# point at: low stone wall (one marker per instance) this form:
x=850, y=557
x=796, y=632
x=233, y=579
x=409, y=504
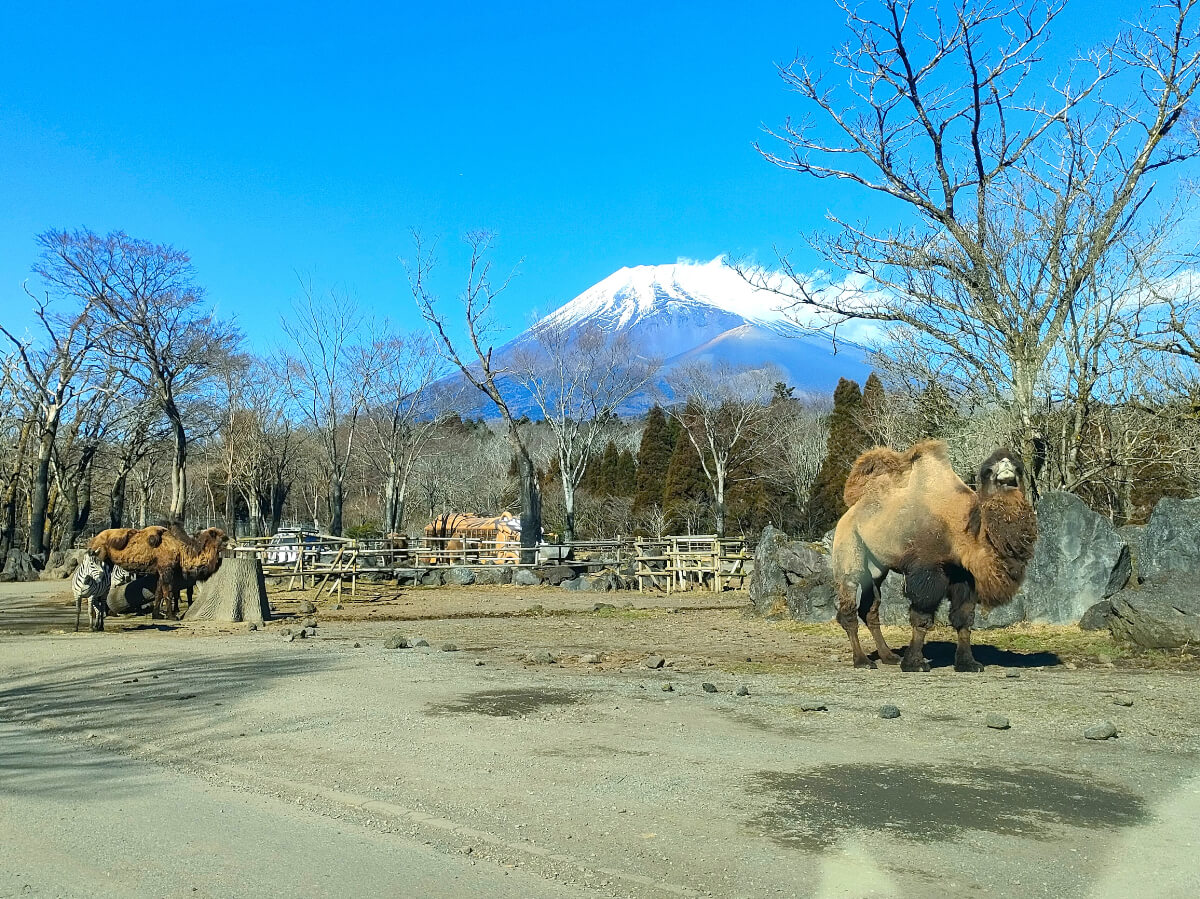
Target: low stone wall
x=1083, y=570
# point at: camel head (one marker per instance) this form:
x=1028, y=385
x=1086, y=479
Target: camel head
x=210, y=536
x=1002, y=470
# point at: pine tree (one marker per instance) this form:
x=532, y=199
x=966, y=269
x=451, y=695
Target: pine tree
x=847, y=440
x=625, y=474
x=686, y=487
x=653, y=458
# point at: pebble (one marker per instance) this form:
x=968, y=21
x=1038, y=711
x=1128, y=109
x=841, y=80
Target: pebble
x=421, y=643
x=1070, y=666
x=449, y=647
x=590, y=659
x=478, y=662
x=288, y=638
x=1013, y=674
x=1104, y=730
x=251, y=626
x=307, y=608
x=357, y=644
x=396, y=641
x=708, y=688
x=743, y=691
x=1126, y=701
x=668, y=688
x=542, y=658
x=655, y=662
x=813, y=705
x=998, y=722
x=309, y=622
x=310, y=632
x=889, y=711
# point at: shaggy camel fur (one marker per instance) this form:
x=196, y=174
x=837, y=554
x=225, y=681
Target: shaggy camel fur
x=168, y=551
x=909, y=512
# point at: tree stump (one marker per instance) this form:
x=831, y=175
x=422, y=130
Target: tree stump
x=237, y=592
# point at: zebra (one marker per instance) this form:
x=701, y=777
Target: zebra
x=93, y=580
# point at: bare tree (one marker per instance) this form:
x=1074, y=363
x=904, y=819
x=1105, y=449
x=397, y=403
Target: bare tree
x=720, y=408
x=405, y=409
x=53, y=377
x=329, y=370
x=1020, y=181
x=579, y=380
x=155, y=321
x=480, y=370
x=18, y=422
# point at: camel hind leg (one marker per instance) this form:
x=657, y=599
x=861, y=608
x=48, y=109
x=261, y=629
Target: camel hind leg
x=925, y=589
x=870, y=616
x=855, y=589
x=850, y=591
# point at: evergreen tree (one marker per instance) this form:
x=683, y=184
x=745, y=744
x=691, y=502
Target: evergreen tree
x=874, y=405
x=847, y=440
x=686, y=488
x=625, y=474
x=654, y=456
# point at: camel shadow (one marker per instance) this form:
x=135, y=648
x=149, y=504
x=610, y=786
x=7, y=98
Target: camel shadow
x=940, y=654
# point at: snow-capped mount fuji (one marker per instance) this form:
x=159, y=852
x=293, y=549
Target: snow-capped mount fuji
x=703, y=312
x=692, y=312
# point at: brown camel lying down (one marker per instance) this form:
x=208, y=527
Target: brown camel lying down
x=909, y=512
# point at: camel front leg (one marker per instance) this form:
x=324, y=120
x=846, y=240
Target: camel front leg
x=914, y=655
x=849, y=592
x=962, y=616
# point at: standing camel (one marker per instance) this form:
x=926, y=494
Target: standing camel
x=177, y=558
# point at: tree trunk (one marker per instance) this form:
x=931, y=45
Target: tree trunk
x=237, y=592
x=116, y=502
x=39, y=497
x=531, y=510
x=336, y=498
x=178, y=462
x=569, y=506
x=391, y=489
x=719, y=509
x=8, y=508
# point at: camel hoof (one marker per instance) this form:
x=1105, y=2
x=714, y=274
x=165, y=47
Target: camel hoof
x=864, y=663
x=907, y=664
x=890, y=659
x=967, y=665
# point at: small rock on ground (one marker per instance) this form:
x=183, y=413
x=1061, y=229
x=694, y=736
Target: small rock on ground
x=668, y=688
x=998, y=722
x=478, y=662
x=743, y=691
x=813, y=705
x=1103, y=730
x=396, y=641
x=309, y=622
x=357, y=645
x=889, y=711
x=542, y=658
x=421, y=643
x=307, y=608
x=449, y=647
x=708, y=688
x=590, y=659
x=655, y=662
x=1123, y=700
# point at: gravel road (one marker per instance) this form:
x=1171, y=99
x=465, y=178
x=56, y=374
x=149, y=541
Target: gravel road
x=184, y=762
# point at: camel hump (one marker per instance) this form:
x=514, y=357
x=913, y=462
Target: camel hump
x=154, y=536
x=883, y=463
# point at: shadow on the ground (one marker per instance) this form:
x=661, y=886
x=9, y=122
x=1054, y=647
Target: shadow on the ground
x=941, y=655
x=76, y=699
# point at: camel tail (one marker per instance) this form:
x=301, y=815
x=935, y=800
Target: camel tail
x=885, y=464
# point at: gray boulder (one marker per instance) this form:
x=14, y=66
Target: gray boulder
x=1097, y=618
x=1171, y=541
x=19, y=567
x=1079, y=560
x=408, y=577
x=431, y=578
x=556, y=574
x=523, y=577
x=63, y=564
x=1134, y=536
x=1162, y=614
x=495, y=575
x=576, y=583
x=791, y=577
x=459, y=576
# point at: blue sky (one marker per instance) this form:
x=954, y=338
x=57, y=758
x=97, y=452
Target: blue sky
x=305, y=138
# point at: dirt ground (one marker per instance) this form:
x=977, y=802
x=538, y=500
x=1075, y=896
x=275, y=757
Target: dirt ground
x=542, y=746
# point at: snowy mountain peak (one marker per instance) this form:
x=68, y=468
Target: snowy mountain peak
x=631, y=295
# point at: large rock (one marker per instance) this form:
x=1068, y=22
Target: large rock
x=63, y=564
x=495, y=575
x=524, y=577
x=556, y=574
x=1171, y=541
x=1162, y=614
x=791, y=576
x=19, y=567
x=1079, y=560
x=459, y=576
